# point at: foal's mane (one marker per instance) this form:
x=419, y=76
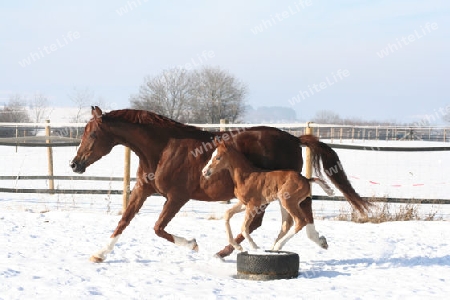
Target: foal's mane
x=144, y=117
x=232, y=151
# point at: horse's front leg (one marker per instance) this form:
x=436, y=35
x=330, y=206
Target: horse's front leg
x=170, y=209
x=250, y=213
x=256, y=223
x=138, y=195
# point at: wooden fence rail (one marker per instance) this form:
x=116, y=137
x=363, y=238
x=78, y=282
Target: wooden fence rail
x=50, y=141
x=65, y=191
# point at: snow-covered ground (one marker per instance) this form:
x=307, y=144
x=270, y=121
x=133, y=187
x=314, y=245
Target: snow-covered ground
x=47, y=239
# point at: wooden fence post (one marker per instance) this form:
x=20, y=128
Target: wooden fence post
x=332, y=133
x=51, y=182
x=126, y=179
x=308, y=156
x=223, y=122
x=17, y=136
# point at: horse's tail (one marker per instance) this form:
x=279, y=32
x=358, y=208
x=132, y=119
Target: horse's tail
x=334, y=170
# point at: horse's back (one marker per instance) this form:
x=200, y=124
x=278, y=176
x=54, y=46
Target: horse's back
x=270, y=148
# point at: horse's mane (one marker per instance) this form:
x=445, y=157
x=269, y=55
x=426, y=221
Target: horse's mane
x=144, y=117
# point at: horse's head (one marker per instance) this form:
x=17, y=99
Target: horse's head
x=95, y=143
x=218, y=160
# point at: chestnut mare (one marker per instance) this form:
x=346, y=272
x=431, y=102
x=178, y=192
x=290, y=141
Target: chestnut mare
x=256, y=188
x=172, y=155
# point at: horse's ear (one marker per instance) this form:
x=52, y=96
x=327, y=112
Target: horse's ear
x=96, y=112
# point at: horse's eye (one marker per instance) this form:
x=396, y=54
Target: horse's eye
x=217, y=157
x=93, y=135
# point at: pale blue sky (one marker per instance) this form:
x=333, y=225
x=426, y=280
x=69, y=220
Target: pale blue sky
x=297, y=52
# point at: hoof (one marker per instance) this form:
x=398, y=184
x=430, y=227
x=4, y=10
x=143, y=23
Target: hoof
x=194, y=245
x=218, y=257
x=96, y=259
x=323, y=242
x=276, y=247
x=226, y=251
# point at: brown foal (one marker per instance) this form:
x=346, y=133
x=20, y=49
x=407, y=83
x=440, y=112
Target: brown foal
x=255, y=188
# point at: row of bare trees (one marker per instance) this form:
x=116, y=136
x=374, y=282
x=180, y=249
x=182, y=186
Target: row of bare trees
x=331, y=117
x=206, y=95
x=15, y=110
x=199, y=96
x=37, y=108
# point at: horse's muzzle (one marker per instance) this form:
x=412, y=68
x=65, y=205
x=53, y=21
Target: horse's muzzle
x=77, y=167
x=206, y=173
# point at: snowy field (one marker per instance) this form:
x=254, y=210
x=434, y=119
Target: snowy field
x=47, y=239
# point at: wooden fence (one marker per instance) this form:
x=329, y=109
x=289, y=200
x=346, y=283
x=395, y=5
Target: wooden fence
x=50, y=141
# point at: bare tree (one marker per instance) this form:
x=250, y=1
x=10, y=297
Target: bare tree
x=82, y=98
x=327, y=117
x=446, y=115
x=39, y=107
x=105, y=105
x=15, y=110
x=218, y=95
x=204, y=96
x=168, y=94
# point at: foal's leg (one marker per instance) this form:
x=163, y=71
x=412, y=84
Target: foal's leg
x=249, y=215
x=170, y=209
x=138, y=195
x=311, y=231
x=293, y=208
x=286, y=224
x=256, y=223
x=237, y=208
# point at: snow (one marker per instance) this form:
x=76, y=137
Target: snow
x=47, y=239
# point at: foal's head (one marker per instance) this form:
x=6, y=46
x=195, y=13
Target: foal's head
x=95, y=143
x=218, y=161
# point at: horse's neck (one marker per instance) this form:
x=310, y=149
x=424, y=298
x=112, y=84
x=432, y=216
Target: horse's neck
x=145, y=145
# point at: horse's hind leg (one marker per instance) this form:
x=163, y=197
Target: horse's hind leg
x=170, y=209
x=286, y=224
x=237, y=208
x=138, y=195
x=281, y=242
x=311, y=232
x=294, y=210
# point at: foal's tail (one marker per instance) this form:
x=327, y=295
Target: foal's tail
x=334, y=170
x=327, y=189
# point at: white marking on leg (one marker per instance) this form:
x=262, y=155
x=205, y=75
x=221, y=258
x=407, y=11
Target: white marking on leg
x=281, y=242
x=313, y=235
x=250, y=240
x=108, y=248
x=286, y=224
x=181, y=241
